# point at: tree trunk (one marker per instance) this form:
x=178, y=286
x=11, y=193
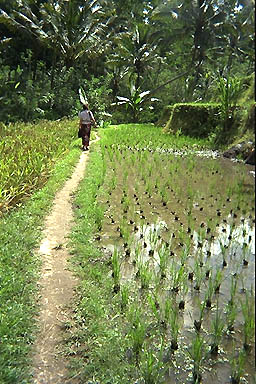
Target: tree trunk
x=53, y=69
x=166, y=83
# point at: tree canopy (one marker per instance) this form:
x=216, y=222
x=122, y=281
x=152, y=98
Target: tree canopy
x=50, y=48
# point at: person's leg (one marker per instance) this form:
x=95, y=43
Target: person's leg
x=87, y=135
x=84, y=140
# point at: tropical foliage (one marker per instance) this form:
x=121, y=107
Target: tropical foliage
x=176, y=49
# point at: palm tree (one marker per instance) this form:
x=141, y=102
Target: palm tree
x=195, y=22
x=136, y=52
x=237, y=36
x=70, y=28
x=203, y=34
x=189, y=29
x=74, y=27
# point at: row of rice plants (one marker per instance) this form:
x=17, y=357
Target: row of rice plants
x=175, y=236
x=27, y=155
x=151, y=138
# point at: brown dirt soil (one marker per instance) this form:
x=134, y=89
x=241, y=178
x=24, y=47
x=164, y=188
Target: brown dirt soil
x=57, y=285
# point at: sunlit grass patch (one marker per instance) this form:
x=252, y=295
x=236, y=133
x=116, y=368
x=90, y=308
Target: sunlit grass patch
x=148, y=136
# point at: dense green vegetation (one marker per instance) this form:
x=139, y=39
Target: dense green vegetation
x=28, y=154
x=173, y=50
x=197, y=119
x=151, y=137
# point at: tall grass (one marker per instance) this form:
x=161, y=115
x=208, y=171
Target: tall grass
x=237, y=362
x=152, y=367
x=248, y=310
x=116, y=265
x=27, y=155
x=138, y=331
x=217, y=331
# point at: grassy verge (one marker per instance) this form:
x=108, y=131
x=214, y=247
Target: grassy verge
x=20, y=233
x=94, y=328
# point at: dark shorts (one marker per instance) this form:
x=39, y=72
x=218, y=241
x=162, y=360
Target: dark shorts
x=85, y=133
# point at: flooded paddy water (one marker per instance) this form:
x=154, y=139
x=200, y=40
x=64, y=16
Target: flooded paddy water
x=181, y=227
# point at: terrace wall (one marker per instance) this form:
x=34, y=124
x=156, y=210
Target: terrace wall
x=194, y=119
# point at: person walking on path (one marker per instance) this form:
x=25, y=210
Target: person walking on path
x=86, y=121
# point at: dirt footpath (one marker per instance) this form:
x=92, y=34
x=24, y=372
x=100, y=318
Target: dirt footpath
x=56, y=283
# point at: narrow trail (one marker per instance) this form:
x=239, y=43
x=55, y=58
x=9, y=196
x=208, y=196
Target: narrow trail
x=57, y=284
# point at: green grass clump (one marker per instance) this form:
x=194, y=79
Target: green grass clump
x=194, y=119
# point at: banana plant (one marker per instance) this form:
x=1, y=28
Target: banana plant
x=135, y=101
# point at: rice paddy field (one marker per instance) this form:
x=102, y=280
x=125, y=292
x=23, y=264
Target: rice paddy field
x=164, y=246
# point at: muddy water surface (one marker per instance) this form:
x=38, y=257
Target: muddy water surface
x=200, y=213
